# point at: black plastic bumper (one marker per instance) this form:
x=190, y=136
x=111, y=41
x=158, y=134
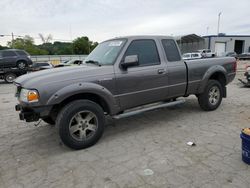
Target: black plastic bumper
x=32, y=114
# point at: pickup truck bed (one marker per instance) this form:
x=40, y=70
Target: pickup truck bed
x=199, y=71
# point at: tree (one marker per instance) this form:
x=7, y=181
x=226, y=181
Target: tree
x=93, y=45
x=81, y=45
x=62, y=48
x=45, y=39
x=27, y=43
x=47, y=45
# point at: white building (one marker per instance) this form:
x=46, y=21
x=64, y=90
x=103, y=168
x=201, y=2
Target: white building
x=227, y=43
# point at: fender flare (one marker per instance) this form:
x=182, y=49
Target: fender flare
x=212, y=70
x=83, y=88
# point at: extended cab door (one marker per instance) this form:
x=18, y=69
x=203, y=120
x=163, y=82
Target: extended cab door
x=177, y=71
x=146, y=82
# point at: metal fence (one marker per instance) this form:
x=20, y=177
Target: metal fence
x=56, y=58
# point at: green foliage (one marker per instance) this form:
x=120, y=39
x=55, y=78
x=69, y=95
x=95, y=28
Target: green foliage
x=27, y=43
x=62, y=48
x=81, y=45
x=58, y=48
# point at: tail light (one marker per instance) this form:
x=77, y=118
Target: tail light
x=235, y=66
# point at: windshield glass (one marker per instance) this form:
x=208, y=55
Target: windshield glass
x=69, y=62
x=186, y=55
x=106, y=52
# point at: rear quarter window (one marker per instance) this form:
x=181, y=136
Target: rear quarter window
x=171, y=50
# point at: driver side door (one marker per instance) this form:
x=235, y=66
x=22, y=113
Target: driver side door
x=146, y=82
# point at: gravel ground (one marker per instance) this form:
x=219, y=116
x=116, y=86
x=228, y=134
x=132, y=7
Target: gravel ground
x=147, y=150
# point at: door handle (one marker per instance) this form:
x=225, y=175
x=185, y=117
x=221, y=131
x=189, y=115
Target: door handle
x=161, y=71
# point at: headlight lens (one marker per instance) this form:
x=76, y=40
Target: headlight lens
x=28, y=95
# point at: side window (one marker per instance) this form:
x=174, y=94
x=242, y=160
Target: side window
x=146, y=51
x=8, y=54
x=171, y=50
x=21, y=53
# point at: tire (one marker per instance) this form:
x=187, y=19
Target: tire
x=22, y=64
x=81, y=124
x=10, y=77
x=211, y=98
x=49, y=121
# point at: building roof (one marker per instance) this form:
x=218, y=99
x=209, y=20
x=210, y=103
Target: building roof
x=189, y=38
x=209, y=36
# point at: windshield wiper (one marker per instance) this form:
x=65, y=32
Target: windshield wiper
x=93, y=62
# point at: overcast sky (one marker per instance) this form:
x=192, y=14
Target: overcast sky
x=103, y=19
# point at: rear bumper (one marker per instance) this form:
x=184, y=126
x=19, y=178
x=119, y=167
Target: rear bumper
x=32, y=114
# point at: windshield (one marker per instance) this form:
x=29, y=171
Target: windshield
x=69, y=62
x=106, y=52
x=186, y=55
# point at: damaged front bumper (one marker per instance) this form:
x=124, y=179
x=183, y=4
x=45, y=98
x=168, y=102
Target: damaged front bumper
x=32, y=114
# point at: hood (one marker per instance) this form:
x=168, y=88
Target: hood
x=62, y=74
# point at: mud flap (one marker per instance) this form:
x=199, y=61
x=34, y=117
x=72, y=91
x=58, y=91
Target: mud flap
x=224, y=94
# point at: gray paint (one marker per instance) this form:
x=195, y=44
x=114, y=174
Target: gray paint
x=124, y=89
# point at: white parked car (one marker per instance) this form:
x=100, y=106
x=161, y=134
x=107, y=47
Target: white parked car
x=206, y=53
x=188, y=56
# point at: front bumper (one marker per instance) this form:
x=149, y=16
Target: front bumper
x=32, y=114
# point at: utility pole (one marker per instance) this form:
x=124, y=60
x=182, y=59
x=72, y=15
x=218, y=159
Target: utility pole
x=207, y=30
x=12, y=41
x=218, y=26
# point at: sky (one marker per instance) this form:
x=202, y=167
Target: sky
x=103, y=19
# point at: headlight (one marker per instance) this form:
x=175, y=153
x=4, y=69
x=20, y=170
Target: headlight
x=28, y=95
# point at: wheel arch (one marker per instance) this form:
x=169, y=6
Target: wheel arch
x=88, y=96
x=89, y=91
x=214, y=73
x=17, y=61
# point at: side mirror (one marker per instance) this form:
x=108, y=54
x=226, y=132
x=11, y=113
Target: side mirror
x=130, y=61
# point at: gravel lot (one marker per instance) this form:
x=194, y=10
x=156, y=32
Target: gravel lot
x=147, y=150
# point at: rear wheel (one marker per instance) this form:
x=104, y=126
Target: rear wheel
x=22, y=64
x=212, y=96
x=9, y=77
x=81, y=124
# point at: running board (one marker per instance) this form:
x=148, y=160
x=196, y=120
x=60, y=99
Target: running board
x=139, y=111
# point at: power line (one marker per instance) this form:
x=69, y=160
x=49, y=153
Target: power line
x=21, y=36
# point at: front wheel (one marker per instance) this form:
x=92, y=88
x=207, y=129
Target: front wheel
x=81, y=124
x=211, y=98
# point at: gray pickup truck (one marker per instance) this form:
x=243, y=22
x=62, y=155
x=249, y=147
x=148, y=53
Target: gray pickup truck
x=118, y=76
